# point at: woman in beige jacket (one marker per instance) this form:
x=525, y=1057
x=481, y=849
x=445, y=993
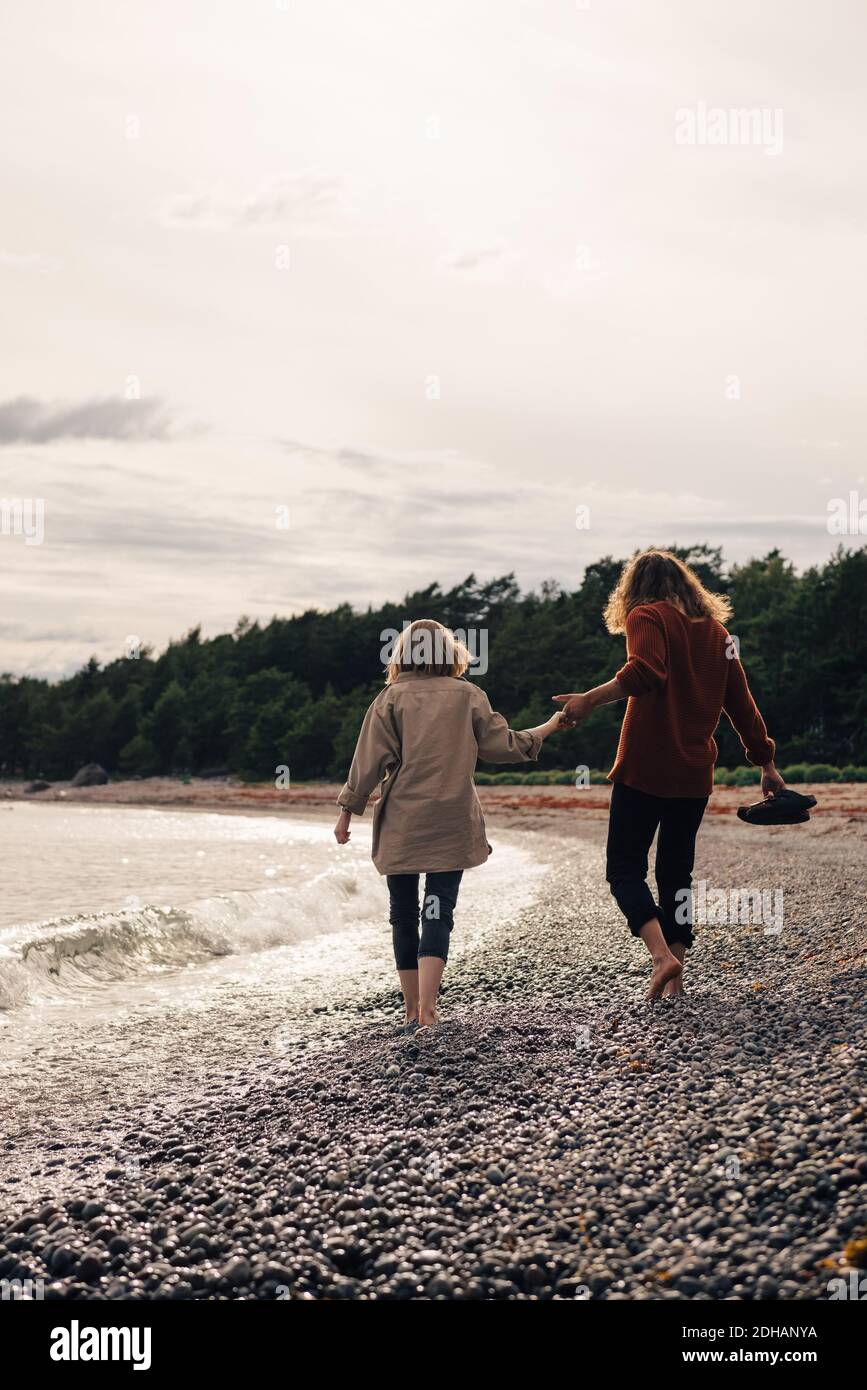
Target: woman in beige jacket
x=419, y=741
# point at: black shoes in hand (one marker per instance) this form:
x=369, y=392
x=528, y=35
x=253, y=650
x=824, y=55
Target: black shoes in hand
x=786, y=808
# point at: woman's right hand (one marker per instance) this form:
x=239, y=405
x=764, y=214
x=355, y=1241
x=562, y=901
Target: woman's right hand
x=341, y=829
x=772, y=782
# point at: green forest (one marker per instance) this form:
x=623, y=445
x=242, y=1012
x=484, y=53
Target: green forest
x=292, y=692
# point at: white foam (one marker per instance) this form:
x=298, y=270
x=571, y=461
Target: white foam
x=74, y=954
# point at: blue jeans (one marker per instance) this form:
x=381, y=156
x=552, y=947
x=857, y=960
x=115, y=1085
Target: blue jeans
x=436, y=911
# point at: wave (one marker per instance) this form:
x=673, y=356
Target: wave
x=75, y=955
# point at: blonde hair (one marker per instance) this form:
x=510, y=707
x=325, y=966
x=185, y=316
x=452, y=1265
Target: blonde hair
x=425, y=646
x=652, y=575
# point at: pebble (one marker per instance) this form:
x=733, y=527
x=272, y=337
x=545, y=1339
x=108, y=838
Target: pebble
x=237, y=1271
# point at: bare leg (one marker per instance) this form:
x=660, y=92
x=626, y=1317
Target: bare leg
x=665, y=965
x=409, y=989
x=430, y=972
x=674, y=989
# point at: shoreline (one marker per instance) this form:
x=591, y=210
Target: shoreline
x=840, y=802
x=555, y=1138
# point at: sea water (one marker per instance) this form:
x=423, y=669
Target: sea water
x=149, y=958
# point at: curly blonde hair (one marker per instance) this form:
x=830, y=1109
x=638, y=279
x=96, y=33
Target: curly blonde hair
x=426, y=646
x=652, y=575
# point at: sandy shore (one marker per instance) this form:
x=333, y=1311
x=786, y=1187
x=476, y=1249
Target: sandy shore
x=555, y=1138
x=840, y=801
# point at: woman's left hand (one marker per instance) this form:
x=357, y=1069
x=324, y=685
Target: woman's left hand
x=341, y=830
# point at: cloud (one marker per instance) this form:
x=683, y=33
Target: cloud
x=152, y=553
x=302, y=203
x=28, y=260
x=367, y=462
x=484, y=263
x=21, y=632
x=361, y=459
x=31, y=421
x=471, y=260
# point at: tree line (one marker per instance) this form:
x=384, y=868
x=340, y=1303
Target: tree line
x=292, y=692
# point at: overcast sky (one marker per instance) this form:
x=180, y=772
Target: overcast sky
x=429, y=275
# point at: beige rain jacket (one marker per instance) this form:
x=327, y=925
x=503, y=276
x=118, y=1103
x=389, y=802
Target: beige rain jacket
x=420, y=739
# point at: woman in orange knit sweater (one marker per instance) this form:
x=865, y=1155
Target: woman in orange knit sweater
x=682, y=671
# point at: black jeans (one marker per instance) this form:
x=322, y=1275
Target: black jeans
x=437, y=911
x=632, y=824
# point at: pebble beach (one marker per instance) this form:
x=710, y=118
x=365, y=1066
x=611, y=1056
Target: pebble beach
x=555, y=1137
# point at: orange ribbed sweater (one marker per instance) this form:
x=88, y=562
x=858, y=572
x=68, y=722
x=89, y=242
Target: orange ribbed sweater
x=680, y=675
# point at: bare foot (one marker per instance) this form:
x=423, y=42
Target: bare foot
x=674, y=989
x=665, y=968
x=428, y=1018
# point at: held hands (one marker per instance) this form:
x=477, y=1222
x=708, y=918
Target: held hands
x=575, y=708
x=341, y=829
